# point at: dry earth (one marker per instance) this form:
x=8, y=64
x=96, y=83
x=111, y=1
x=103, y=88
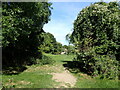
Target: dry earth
x=65, y=78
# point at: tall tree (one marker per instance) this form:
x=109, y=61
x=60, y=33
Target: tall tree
x=22, y=22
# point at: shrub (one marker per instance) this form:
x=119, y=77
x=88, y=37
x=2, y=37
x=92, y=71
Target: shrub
x=45, y=60
x=96, y=35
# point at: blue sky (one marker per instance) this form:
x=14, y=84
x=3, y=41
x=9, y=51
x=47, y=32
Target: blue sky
x=62, y=18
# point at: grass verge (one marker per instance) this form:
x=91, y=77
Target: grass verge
x=85, y=81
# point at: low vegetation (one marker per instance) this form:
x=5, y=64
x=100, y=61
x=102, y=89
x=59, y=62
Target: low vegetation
x=39, y=76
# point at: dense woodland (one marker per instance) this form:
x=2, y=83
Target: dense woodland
x=95, y=38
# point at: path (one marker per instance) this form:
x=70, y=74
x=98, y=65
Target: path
x=61, y=74
x=43, y=76
x=54, y=76
x=65, y=78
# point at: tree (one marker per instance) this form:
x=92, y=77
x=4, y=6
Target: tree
x=49, y=44
x=71, y=49
x=97, y=34
x=22, y=22
x=58, y=48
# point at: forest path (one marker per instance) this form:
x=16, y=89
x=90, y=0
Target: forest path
x=61, y=74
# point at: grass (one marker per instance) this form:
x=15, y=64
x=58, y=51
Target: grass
x=84, y=81
x=28, y=80
x=0, y=81
x=35, y=76
x=38, y=76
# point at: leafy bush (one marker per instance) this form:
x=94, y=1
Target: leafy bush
x=104, y=66
x=45, y=60
x=96, y=35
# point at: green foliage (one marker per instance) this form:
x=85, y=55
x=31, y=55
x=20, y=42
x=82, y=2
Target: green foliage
x=49, y=44
x=45, y=60
x=96, y=35
x=21, y=25
x=58, y=48
x=0, y=26
x=70, y=49
x=105, y=66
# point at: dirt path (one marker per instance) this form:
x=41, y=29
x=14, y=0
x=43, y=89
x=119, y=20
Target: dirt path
x=60, y=74
x=65, y=78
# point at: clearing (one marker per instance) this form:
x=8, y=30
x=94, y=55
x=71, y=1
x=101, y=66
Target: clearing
x=55, y=76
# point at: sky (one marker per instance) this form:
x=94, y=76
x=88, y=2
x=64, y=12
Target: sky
x=62, y=18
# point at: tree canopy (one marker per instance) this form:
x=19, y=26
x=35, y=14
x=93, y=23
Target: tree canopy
x=49, y=44
x=97, y=36
x=22, y=24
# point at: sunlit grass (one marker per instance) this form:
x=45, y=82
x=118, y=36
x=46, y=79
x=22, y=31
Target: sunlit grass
x=36, y=79
x=38, y=76
x=0, y=81
x=85, y=82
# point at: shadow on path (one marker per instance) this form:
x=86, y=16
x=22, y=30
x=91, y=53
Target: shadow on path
x=74, y=66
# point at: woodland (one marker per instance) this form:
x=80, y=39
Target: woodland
x=93, y=50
